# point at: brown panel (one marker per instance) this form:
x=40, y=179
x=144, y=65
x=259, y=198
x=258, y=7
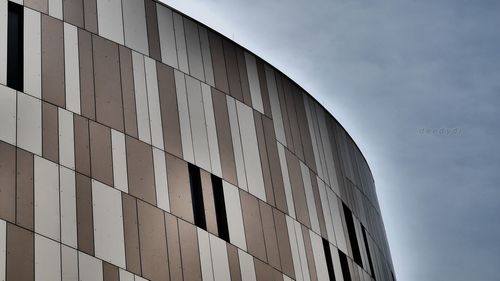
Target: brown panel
x=174, y=250
x=242, y=67
x=282, y=86
x=141, y=179
x=253, y=225
x=292, y=115
x=179, y=189
x=50, y=132
x=131, y=233
x=298, y=192
x=153, y=242
x=189, y=251
x=100, y=153
x=233, y=75
x=53, y=61
x=90, y=9
x=283, y=243
x=153, y=35
x=129, y=109
x=270, y=238
x=108, y=90
x=87, y=98
x=263, y=272
x=82, y=145
x=263, y=87
x=73, y=12
x=169, y=111
x=24, y=201
x=319, y=208
x=309, y=254
x=208, y=202
x=304, y=130
x=274, y=165
x=268, y=185
x=85, y=221
x=20, y=253
x=234, y=262
x=39, y=5
x=224, y=137
x=7, y=182
x=110, y=272
x=218, y=62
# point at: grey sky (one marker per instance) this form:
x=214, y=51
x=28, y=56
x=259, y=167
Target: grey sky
x=387, y=70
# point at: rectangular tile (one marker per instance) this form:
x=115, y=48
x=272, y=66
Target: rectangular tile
x=275, y=105
x=134, y=25
x=110, y=19
x=50, y=132
x=184, y=121
x=263, y=87
x=73, y=12
x=234, y=262
x=153, y=33
x=82, y=145
x=8, y=182
x=119, y=151
x=270, y=236
x=179, y=188
x=180, y=42
x=84, y=214
x=205, y=255
x=242, y=67
x=294, y=246
x=29, y=123
x=39, y=5
x=326, y=211
x=69, y=264
x=286, y=180
x=247, y=266
x=141, y=97
x=161, y=181
x=193, y=47
x=131, y=234
x=8, y=99
x=309, y=255
x=67, y=196
x=218, y=62
x=153, y=103
x=319, y=257
x=24, y=182
x=191, y=266
x=110, y=272
x=46, y=193
x=53, y=61
x=234, y=215
x=71, y=68
x=32, y=53
x=253, y=226
x=141, y=180
x=87, y=97
x=47, y=259
x=237, y=144
x=90, y=268
x=173, y=244
x=220, y=260
x=319, y=208
x=311, y=206
x=207, y=57
x=253, y=79
x=337, y=220
x=167, y=35
x=101, y=156
x=56, y=8
x=66, y=139
x=128, y=94
x=90, y=15
x=266, y=174
x=213, y=143
x=208, y=201
x=233, y=75
x=298, y=192
x=20, y=254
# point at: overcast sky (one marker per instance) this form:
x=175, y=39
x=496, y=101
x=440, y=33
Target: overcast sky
x=398, y=74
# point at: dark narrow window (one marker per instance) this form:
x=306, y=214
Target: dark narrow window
x=352, y=235
x=220, y=208
x=197, y=196
x=345, y=266
x=15, y=47
x=329, y=262
x=368, y=251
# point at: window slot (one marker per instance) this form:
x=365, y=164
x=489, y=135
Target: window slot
x=344, y=264
x=15, y=47
x=220, y=208
x=197, y=196
x=329, y=262
x=368, y=251
x=351, y=230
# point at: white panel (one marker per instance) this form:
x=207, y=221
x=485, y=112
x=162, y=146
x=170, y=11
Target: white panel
x=198, y=126
x=126, y=276
x=219, y=259
x=3, y=246
x=251, y=153
x=286, y=278
x=205, y=256
x=3, y=41
x=161, y=184
x=71, y=68
x=68, y=207
x=109, y=17
x=238, y=150
x=47, y=259
x=253, y=81
x=234, y=215
x=247, y=266
x=184, y=122
x=194, y=49
x=108, y=224
x=139, y=278
x=207, y=57
x=337, y=220
x=134, y=24
x=332, y=176
x=275, y=105
x=180, y=43
x=312, y=134
x=311, y=206
x=286, y=180
x=319, y=257
x=213, y=143
x=89, y=268
x=326, y=210
x=294, y=248
x=29, y=123
x=141, y=97
x=69, y=261
x=167, y=35
x=66, y=139
x=46, y=198
x=7, y=115
x=119, y=160
x=336, y=263
x=32, y=53
x=302, y=251
x=56, y=9
x=154, y=103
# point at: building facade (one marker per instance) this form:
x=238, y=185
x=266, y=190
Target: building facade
x=138, y=144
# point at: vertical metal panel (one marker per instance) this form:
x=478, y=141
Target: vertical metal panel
x=185, y=125
x=20, y=254
x=82, y=145
x=319, y=257
x=32, y=53
x=207, y=189
x=311, y=206
x=109, y=17
x=108, y=224
x=68, y=207
x=191, y=266
x=131, y=234
x=253, y=80
x=173, y=244
x=238, y=150
x=298, y=191
x=179, y=189
x=294, y=249
x=242, y=68
x=309, y=255
x=234, y=262
x=140, y=170
x=3, y=248
x=110, y=272
x=53, y=61
x=141, y=97
x=8, y=99
x=153, y=103
x=101, y=156
x=125, y=275
x=73, y=12
x=264, y=160
x=90, y=15
x=3, y=41
x=127, y=75
x=87, y=97
x=7, y=182
x=337, y=221
x=247, y=266
x=270, y=236
x=234, y=215
x=24, y=185
x=193, y=49
x=219, y=65
x=326, y=211
x=213, y=143
x=219, y=259
x=89, y=268
x=275, y=105
x=312, y=133
x=301, y=251
x=152, y=26
x=161, y=181
x=56, y=9
x=69, y=264
x=39, y=5
x=205, y=255
x=233, y=75
x=50, y=132
x=134, y=25
x=286, y=180
x=71, y=68
x=120, y=176
x=336, y=264
x=207, y=57
x=253, y=226
x=47, y=259
x=84, y=214
x=167, y=35
x=29, y=123
x=47, y=221
x=66, y=139
x=180, y=42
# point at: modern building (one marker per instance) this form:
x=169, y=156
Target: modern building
x=138, y=144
